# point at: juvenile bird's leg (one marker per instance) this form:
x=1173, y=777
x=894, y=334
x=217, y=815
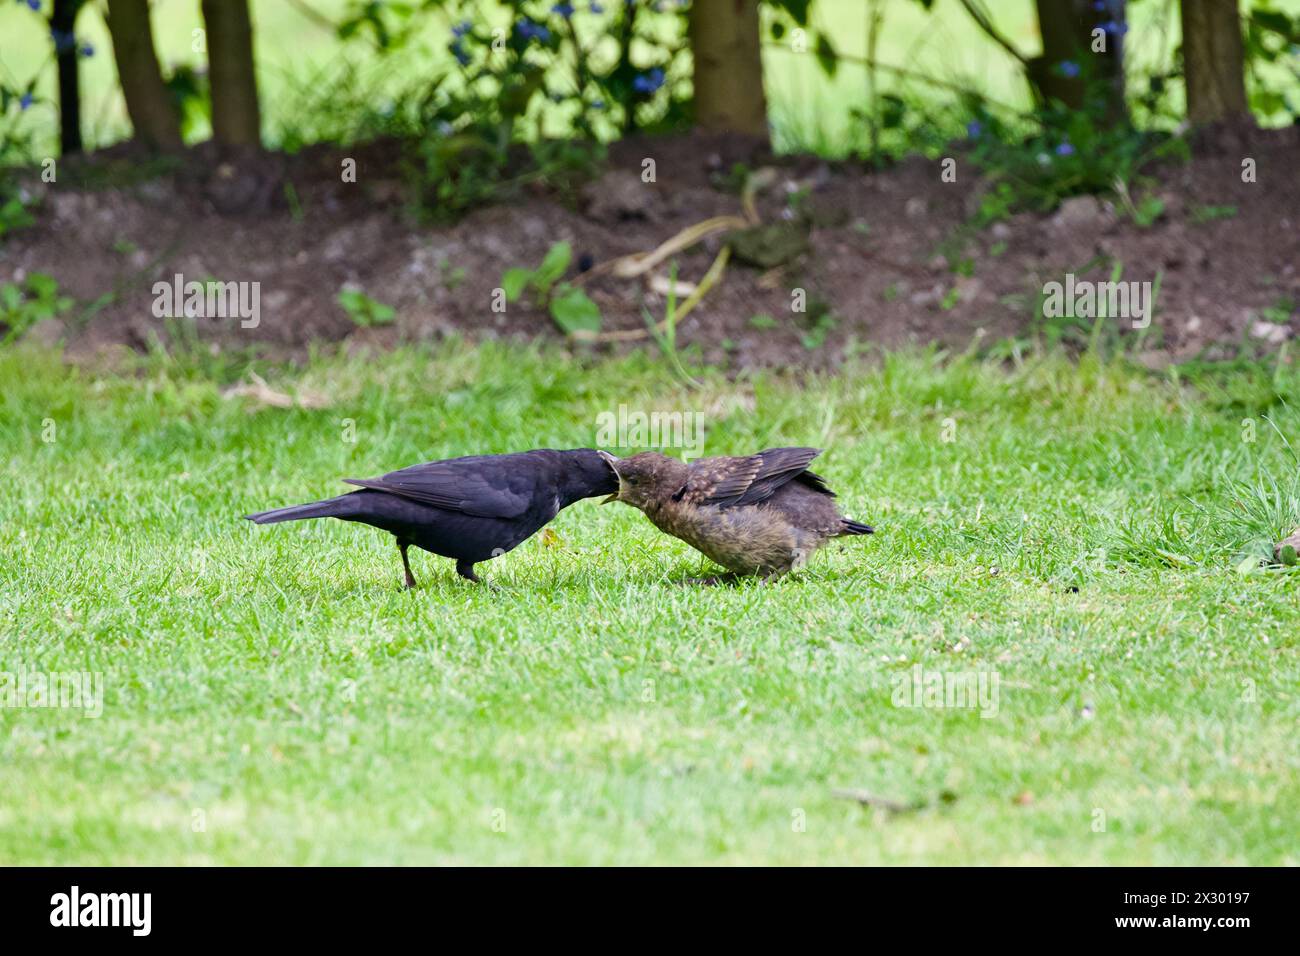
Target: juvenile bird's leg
x=466, y=570
x=729, y=577
x=406, y=564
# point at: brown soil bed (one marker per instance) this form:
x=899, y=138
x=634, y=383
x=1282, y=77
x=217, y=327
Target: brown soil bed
x=881, y=253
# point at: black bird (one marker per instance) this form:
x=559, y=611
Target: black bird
x=470, y=509
x=763, y=514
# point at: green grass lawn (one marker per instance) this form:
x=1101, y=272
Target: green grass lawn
x=271, y=696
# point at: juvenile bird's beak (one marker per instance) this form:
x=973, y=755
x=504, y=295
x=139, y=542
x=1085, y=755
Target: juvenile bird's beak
x=613, y=464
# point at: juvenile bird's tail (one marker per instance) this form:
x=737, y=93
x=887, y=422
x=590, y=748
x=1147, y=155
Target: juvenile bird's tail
x=855, y=527
x=329, y=508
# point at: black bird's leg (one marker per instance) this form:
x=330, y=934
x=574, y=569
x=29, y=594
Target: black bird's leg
x=466, y=570
x=406, y=564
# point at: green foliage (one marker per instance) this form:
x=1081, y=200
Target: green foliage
x=1064, y=153
x=570, y=307
x=1203, y=214
x=787, y=13
x=819, y=321
x=1279, y=312
x=1272, y=37
x=470, y=153
x=551, y=269
x=14, y=213
x=15, y=146
x=574, y=311
x=480, y=128
x=365, y=311
x=191, y=98
x=664, y=334
x=22, y=306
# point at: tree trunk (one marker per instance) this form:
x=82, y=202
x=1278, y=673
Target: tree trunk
x=724, y=37
x=1213, y=61
x=236, y=120
x=147, y=102
x=63, y=23
x=1067, y=28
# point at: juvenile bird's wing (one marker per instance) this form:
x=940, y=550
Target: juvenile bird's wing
x=489, y=486
x=730, y=482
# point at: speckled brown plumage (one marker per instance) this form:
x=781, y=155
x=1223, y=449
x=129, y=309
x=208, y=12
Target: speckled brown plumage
x=762, y=514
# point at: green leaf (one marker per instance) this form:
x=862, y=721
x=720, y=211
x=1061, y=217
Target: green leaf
x=892, y=110
x=798, y=10
x=1148, y=211
x=573, y=310
x=514, y=281
x=363, y=310
x=1278, y=22
x=11, y=297
x=42, y=286
x=1267, y=102
x=826, y=55
x=1248, y=565
x=552, y=267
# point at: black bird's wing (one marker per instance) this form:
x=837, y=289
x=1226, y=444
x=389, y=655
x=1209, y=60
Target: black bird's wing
x=489, y=486
x=730, y=482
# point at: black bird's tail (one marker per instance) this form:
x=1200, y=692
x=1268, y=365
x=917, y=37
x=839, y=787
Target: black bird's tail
x=329, y=508
x=855, y=527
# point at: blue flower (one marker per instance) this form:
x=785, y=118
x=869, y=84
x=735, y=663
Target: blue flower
x=460, y=29
x=597, y=104
x=63, y=40
x=87, y=50
x=648, y=82
x=25, y=101
x=532, y=31
x=1069, y=69
x=34, y=5
x=458, y=51
x=1114, y=26
x=563, y=9
x=1065, y=149
x=974, y=129
x=596, y=8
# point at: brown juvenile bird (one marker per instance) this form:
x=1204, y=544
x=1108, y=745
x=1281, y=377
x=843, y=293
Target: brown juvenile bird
x=764, y=514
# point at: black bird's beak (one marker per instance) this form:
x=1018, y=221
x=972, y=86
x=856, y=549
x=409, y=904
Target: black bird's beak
x=613, y=466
